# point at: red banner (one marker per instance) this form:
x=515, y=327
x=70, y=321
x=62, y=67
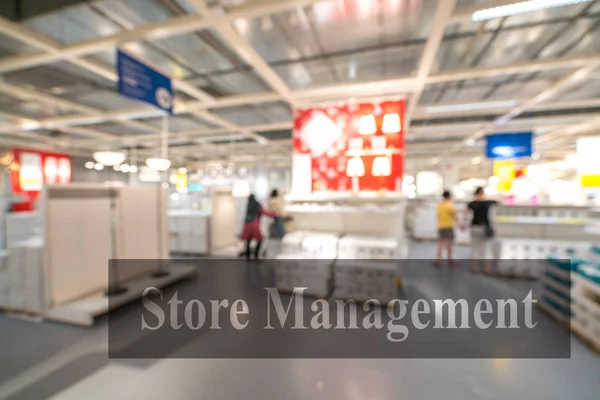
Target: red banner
x=36, y=169
x=353, y=147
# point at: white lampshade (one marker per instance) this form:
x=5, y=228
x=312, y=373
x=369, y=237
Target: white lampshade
x=158, y=164
x=391, y=123
x=355, y=167
x=241, y=189
x=367, y=125
x=381, y=166
x=64, y=170
x=109, y=158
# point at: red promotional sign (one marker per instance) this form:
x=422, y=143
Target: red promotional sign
x=36, y=169
x=353, y=147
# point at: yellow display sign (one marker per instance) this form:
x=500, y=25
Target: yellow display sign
x=590, y=181
x=181, y=184
x=506, y=172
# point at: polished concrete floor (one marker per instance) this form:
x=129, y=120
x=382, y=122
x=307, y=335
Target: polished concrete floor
x=47, y=360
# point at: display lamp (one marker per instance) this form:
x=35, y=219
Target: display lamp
x=241, y=189
x=381, y=166
x=367, y=125
x=391, y=123
x=355, y=169
x=51, y=170
x=64, y=170
x=109, y=158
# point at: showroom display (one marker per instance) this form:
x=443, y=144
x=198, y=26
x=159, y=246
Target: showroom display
x=37, y=169
x=62, y=272
x=571, y=293
x=188, y=231
x=349, y=147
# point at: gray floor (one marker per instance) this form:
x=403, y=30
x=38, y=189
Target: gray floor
x=46, y=360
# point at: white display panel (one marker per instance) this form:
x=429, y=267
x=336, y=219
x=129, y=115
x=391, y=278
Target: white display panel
x=78, y=236
x=30, y=174
x=301, y=174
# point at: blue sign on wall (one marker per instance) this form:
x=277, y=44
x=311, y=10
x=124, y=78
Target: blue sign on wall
x=140, y=82
x=509, y=145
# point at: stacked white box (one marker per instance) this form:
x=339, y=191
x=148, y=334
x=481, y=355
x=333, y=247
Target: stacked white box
x=25, y=275
x=292, y=271
x=534, y=253
x=370, y=248
x=539, y=249
x=363, y=280
x=320, y=246
x=292, y=242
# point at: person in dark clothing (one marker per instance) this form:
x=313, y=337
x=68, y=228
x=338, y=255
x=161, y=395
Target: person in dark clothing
x=481, y=228
x=251, y=229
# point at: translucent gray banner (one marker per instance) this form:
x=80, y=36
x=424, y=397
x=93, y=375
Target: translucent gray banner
x=332, y=309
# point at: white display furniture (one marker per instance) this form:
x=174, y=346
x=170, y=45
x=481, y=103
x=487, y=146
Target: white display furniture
x=22, y=226
x=541, y=222
x=188, y=231
x=83, y=227
x=343, y=226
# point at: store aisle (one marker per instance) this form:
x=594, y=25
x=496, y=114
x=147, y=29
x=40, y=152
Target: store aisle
x=64, y=362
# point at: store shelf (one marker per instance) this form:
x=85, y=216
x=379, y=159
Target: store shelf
x=342, y=210
x=364, y=197
x=541, y=220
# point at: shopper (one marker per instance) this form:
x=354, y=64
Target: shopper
x=251, y=229
x=277, y=230
x=482, y=231
x=446, y=218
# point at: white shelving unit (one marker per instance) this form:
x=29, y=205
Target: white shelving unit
x=541, y=222
x=63, y=273
x=188, y=231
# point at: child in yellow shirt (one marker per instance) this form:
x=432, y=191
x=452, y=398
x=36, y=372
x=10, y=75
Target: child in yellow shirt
x=446, y=218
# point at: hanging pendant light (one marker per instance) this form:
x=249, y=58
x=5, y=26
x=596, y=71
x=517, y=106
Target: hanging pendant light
x=109, y=158
x=158, y=164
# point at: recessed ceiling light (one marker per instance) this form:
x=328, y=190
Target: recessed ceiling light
x=521, y=7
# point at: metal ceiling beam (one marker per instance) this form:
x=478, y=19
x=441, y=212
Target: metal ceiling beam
x=558, y=87
x=328, y=93
x=440, y=21
x=20, y=33
x=161, y=30
x=245, y=51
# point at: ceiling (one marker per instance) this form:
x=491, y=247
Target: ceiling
x=241, y=66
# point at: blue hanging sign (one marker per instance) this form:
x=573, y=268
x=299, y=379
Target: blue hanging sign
x=509, y=145
x=140, y=82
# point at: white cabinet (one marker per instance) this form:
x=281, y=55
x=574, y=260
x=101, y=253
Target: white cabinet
x=188, y=231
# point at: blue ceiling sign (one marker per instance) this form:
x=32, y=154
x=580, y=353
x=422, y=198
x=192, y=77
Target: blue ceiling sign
x=509, y=145
x=140, y=82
